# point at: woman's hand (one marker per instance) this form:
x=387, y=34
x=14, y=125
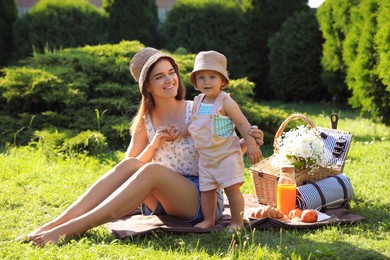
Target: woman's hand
x=257, y=134
x=165, y=133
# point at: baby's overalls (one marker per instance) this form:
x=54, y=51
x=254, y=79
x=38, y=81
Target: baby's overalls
x=220, y=158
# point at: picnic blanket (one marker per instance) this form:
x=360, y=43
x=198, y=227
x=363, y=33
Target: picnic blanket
x=136, y=224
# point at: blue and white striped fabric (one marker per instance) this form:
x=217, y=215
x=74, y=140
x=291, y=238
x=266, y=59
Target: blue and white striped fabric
x=332, y=136
x=335, y=195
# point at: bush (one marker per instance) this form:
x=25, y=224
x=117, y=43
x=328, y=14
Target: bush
x=64, y=89
x=132, y=20
x=87, y=141
x=8, y=15
x=295, y=53
x=28, y=89
x=66, y=23
x=84, y=89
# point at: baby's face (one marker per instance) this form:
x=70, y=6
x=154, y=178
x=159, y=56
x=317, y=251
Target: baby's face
x=209, y=82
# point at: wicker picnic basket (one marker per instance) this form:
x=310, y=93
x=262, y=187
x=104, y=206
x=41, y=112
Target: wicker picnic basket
x=265, y=175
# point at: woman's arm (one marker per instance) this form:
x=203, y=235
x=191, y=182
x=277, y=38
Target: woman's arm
x=140, y=147
x=139, y=142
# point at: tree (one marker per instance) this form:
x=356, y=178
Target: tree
x=356, y=48
x=334, y=18
x=132, y=20
x=199, y=25
x=264, y=18
x=369, y=92
x=295, y=59
x=8, y=15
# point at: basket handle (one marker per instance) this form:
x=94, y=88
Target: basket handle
x=288, y=119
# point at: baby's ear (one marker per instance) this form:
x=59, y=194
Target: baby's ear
x=225, y=84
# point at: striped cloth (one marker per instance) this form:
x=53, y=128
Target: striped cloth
x=223, y=125
x=333, y=136
x=331, y=192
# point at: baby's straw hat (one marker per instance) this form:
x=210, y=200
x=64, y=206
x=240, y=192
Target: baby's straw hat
x=210, y=60
x=143, y=60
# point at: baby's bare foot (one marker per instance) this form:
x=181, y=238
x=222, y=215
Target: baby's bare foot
x=235, y=227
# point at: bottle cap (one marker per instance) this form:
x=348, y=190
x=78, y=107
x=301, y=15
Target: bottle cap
x=287, y=169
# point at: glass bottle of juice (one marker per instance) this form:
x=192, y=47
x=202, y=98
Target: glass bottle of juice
x=287, y=190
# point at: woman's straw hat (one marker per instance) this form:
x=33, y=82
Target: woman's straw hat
x=210, y=60
x=143, y=60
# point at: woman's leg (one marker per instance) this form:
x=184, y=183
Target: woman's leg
x=178, y=196
x=236, y=205
x=98, y=192
x=209, y=202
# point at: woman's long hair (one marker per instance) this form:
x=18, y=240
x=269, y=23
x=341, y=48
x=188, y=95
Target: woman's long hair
x=147, y=101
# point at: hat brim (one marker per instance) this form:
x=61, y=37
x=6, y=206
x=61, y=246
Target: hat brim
x=193, y=75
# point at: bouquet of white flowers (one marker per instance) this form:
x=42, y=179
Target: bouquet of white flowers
x=301, y=147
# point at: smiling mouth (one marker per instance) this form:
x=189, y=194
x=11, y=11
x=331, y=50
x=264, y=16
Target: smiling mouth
x=169, y=87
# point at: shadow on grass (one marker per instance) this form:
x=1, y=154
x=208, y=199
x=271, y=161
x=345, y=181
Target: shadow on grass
x=376, y=213
x=292, y=243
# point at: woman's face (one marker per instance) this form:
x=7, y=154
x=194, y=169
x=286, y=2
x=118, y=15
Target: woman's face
x=163, y=80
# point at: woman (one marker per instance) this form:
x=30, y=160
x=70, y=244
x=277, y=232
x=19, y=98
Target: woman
x=168, y=185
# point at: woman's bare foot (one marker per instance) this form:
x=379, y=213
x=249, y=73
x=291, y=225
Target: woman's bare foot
x=45, y=237
x=43, y=228
x=205, y=224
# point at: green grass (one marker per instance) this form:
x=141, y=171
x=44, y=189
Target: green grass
x=36, y=185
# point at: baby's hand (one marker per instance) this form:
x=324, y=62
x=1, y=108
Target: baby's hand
x=254, y=154
x=174, y=132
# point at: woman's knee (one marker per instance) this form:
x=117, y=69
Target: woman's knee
x=131, y=163
x=151, y=170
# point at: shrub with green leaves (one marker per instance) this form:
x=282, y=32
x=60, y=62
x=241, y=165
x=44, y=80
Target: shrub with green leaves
x=57, y=24
x=32, y=90
x=132, y=20
x=295, y=52
x=86, y=89
x=64, y=89
x=86, y=141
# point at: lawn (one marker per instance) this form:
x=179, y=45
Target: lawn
x=37, y=184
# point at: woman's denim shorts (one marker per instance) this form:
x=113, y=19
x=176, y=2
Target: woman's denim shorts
x=198, y=216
